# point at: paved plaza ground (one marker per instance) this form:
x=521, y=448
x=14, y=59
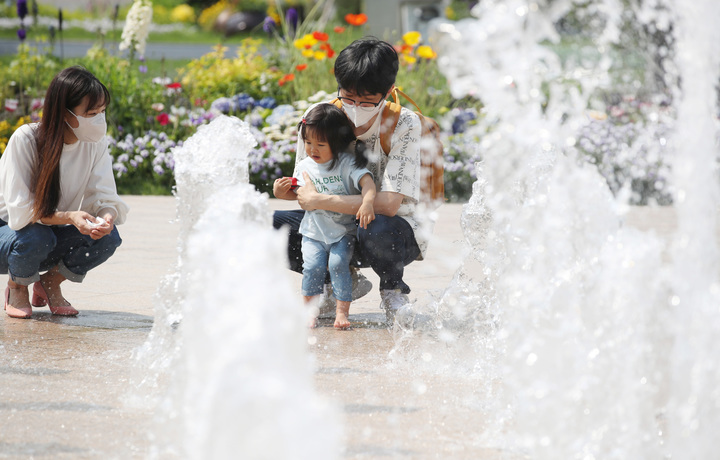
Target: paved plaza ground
x=65, y=381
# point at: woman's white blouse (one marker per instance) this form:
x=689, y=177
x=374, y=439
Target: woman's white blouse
x=86, y=179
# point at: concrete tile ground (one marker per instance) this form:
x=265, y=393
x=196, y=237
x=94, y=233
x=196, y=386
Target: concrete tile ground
x=66, y=381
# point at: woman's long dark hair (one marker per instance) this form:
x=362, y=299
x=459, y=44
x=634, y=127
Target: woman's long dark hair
x=66, y=92
x=328, y=123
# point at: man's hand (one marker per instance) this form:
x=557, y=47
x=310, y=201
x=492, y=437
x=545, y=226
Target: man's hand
x=307, y=194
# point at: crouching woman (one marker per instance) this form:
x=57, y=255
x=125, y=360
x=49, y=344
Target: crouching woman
x=58, y=200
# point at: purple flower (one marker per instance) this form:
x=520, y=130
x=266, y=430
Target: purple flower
x=222, y=104
x=269, y=25
x=267, y=103
x=243, y=102
x=22, y=9
x=21, y=34
x=461, y=121
x=291, y=19
x=143, y=69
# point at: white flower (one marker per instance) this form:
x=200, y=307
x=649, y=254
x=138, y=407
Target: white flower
x=319, y=96
x=137, y=26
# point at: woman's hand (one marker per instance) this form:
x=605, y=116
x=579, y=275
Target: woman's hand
x=307, y=194
x=82, y=220
x=88, y=224
x=104, y=228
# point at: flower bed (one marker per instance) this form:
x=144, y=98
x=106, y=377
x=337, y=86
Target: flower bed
x=268, y=84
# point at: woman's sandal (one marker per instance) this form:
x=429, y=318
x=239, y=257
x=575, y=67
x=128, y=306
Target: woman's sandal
x=15, y=312
x=40, y=299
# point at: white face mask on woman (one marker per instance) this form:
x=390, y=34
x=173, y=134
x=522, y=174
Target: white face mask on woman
x=90, y=129
x=359, y=116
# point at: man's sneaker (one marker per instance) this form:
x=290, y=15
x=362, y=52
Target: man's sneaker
x=391, y=301
x=327, y=303
x=360, y=287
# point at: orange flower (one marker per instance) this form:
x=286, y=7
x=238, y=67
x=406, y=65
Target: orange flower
x=301, y=67
x=320, y=36
x=339, y=29
x=328, y=49
x=286, y=78
x=356, y=19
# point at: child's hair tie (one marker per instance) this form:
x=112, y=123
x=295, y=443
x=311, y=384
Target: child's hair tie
x=302, y=121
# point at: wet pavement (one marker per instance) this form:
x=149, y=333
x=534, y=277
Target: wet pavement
x=67, y=386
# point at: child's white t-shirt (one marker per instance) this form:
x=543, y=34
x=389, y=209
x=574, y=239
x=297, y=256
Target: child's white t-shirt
x=344, y=179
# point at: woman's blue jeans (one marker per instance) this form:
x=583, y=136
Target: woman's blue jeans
x=319, y=258
x=387, y=245
x=37, y=248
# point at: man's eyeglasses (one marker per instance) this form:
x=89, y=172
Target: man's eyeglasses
x=363, y=105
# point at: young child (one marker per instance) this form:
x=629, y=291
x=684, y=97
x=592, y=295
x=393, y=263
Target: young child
x=328, y=237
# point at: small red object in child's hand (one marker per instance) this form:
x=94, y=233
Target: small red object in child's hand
x=293, y=183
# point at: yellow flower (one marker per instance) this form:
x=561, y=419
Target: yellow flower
x=183, y=13
x=450, y=13
x=407, y=59
x=208, y=15
x=21, y=121
x=273, y=13
x=426, y=52
x=412, y=38
x=306, y=42
x=308, y=53
x=319, y=55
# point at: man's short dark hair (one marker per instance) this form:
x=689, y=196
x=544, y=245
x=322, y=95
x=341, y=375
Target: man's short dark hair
x=367, y=66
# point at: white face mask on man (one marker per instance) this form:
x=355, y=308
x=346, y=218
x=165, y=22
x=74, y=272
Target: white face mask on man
x=359, y=116
x=90, y=129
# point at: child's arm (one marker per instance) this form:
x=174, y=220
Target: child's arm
x=282, y=190
x=366, y=213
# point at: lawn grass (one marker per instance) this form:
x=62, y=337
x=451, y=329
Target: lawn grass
x=186, y=35
x=156, y=67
